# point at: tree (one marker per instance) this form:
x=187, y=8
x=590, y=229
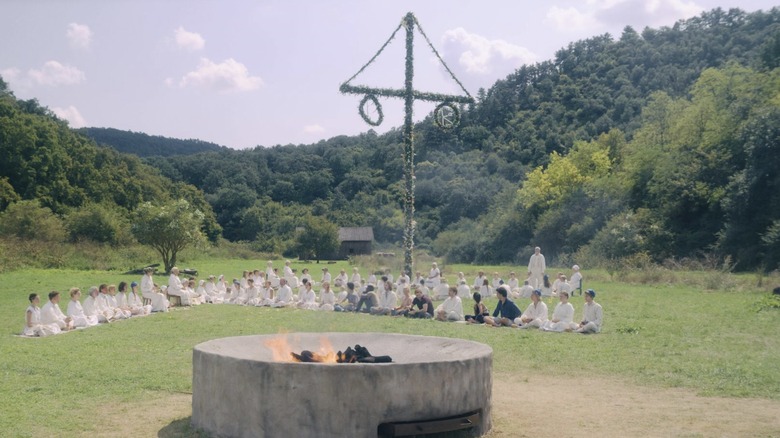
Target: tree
x=27, y=219
x=168, y=228
x=319, y=238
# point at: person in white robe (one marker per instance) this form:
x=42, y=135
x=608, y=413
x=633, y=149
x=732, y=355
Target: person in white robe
x=76, y=311
x=32, y=322
x=355, y=276
x=575, y=281
x=463, y=289
x=52, y=314
x=485, y=290
x=135, y=302
x=546, y=287
x=325, y=276
x=341, y=280
x=418, y=279
x=514, y=284
x=284, y=296
x=266, y=297
x=389, y=276
x=106, y=300
x=288, y=270
x=222, y=289
x=305, y=275
x=237, y=294
x=451, y=309
x=149, y=291
x=244, y=279
x=123, y=302
x=270, y=274
x=372, y=279
x=563, y=286
x=327, y=297
x=479, y=280
x=592, y=314
x=201, y=291
x=535, y=314
x=442, y=290
x=536, y=268
x=496, y=281
x=175, y=287
x=387, y=302
x=209, y=288
x=251, y=294
x=434, y=276
x=562, y=316
x=93, y=306
x=526, y=291
x=461, y=278
x=402, y=281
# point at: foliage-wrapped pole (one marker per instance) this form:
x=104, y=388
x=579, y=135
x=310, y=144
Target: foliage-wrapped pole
x=409, y=148
x=446, y=116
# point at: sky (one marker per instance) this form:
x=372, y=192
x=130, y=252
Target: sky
x=246, y=73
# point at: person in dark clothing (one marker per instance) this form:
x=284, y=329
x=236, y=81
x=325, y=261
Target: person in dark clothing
x=506, y=310
x=422, y=306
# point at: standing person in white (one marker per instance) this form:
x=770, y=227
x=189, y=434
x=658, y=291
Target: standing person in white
x=562, y=316
x=536, y=268
x=535, y=314
x=592, y=314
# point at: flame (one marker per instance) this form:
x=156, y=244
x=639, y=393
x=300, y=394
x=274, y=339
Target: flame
x=282, y=352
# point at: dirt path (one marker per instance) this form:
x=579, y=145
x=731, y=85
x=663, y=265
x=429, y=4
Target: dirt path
x=542, y=406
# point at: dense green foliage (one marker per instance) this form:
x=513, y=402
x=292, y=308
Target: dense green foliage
x=169, y=229
x=145, y=145
x=657, y=146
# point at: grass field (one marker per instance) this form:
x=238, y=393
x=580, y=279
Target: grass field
x=658, y=336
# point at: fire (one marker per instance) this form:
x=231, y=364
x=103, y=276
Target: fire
x=282, y=352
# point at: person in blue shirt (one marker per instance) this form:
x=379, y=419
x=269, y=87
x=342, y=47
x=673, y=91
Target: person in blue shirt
x=506, y=310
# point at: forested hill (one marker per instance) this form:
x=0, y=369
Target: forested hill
x=649, y=146
x=145, y=145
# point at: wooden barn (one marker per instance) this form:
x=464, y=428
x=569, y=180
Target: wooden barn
x=355, y=241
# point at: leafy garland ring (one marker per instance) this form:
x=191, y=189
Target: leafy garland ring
x=446, y=116
x=364, y=114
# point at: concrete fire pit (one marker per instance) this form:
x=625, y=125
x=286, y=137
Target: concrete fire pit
x=240, y=390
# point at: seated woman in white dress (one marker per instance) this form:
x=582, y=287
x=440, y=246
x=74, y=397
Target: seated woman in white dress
x=252, y=295
x=485, y=290
x=266, y=297
x=222, y=289
x=535, y=314
x=434, y=277
x=442, y=290
x=308, y=299
x=123, y=301
x=150, y=291
x=355, y=276
x=76, y=311
x=463, y=289
x=236, y=294
x=136, y=303
x=327, y=297
x=305, y=275
x=562, y=316
x=33, y=325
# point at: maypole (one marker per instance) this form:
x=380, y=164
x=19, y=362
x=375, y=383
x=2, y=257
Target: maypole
x=446, y=116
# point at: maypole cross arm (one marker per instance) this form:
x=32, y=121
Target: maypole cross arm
x=445, y=116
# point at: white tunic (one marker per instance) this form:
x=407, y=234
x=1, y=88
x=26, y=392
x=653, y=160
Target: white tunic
x=36, y=328
x=388, y=300
x=159, y=301
x=136, y=304
x=52, y=314
x=537, y=313
x=453, y=307
x=283, y=297
x=327, y=299
x=92, y=307
x=80, y=319
x=479, y=281
x=594, y=315
x=308, y=300
x=564, y=313
x=464, y=291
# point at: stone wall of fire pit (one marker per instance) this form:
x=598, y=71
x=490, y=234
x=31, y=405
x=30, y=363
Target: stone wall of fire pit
x=240, y=390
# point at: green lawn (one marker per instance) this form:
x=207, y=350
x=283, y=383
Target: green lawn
x=713, y=342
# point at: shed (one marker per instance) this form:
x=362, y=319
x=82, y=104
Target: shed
x=355, y=241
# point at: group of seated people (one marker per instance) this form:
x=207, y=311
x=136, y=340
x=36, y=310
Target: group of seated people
x=536, y=314
x=105, y=303
x=379, y=294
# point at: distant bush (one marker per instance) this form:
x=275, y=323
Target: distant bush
x=29, y=220
x=100, y=224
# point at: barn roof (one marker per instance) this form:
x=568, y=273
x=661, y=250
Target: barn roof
x=356, y=234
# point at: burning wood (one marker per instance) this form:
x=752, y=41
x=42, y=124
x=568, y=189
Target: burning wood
x=358, y=354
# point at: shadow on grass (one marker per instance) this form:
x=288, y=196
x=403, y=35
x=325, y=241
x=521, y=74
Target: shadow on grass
x=181, y=428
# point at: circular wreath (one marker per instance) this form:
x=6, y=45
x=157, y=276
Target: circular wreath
x=362, y=107
x=442, y=119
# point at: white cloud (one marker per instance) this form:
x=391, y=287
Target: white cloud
x=229, y=75
x=479, y=55
x=188, y=40
x=639, y=13
x=10, y=74
x=79, y=36
x=72, y=115
x=313, y=129
x=570, y=19
x=53, y=73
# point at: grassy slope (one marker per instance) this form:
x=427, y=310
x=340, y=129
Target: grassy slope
x=713, y=342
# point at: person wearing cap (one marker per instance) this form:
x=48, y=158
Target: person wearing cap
x=535, y=314
x=562, y=316
x=536, y=268
x=575, y=281
x=592, y=314
x=506, y=310
x=148, y=291
x=135, y=303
